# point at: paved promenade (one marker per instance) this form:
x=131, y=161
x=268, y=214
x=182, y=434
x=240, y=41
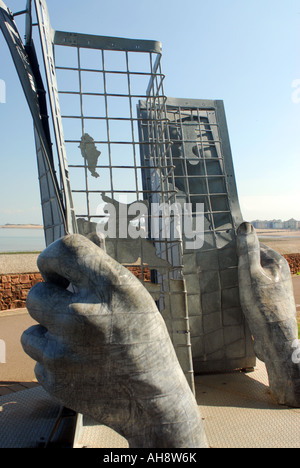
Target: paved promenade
x=237, y=409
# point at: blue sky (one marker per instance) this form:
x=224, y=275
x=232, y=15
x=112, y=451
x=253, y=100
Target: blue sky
x=246, y=53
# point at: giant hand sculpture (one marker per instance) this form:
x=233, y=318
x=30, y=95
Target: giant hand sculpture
x=104, y=350
x=267, y=299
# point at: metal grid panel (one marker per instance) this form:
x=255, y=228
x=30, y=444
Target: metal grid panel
x=199, y=162
x=203, y=173
x=101, y=136
x=46, y=35
x=52, y=208
x=159, y=189
x=100, y=83
x=97, y=82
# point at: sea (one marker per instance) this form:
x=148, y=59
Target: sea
x=21, y=240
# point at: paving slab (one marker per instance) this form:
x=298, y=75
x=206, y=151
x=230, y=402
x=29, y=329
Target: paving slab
x=237, y=410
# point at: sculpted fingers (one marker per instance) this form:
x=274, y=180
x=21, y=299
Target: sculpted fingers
x=49, y=305
x=248, y=249
x=44, y=348
x=34, y=342
x=74, y=259
x=257, y=260
x=274, y=264
x=80, y=262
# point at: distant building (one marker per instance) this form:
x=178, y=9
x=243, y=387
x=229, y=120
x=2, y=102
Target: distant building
x=261, y=224
x=291, y=224
x=276, y=224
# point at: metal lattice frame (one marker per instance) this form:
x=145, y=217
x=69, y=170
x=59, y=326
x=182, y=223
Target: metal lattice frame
x=46, y=34
x=95, y=85
x=55, y=223
x=203, y=173
x=119, y=140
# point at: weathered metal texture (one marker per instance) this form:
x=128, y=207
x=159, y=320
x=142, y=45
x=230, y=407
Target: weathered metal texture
x=89, y=41
x=100, y=81
x=46, y=35
x=111, y=332
x=55, y=225
x=268, y=303
x=204, y=174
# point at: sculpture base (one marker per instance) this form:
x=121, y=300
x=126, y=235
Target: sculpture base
x=224, y=365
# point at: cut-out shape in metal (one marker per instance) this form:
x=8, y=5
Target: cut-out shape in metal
x=90, y=153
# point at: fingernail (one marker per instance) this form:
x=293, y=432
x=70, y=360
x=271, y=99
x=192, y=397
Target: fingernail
x=245, y=228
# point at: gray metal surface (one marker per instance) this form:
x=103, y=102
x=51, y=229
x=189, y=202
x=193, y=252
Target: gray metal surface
x=101, y=155
x=89, y=41
x=267, y=299
x=46, y=35
x=105, y=351
x=204, y=174
x=98, y=82
x=53, y=211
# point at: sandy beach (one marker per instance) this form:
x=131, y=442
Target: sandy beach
x=21, y=226
x=278, y=232
x=283, y=241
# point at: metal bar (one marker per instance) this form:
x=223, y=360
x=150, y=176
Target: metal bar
x=89, y=41
x=107, y=125
x=112, y=72
x=153, y=72
x=123, y=191
x=136, y=96
x=72, y=166
x=132, y=131
x=83, y=132
x=205, y=169
x=104, y=142
x=135, y=119
x=23, y=12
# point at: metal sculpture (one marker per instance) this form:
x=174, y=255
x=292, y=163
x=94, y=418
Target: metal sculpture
x=268, y=303
x=105, y=351
x=204, y=175
x=122, y=144
x=55, y=222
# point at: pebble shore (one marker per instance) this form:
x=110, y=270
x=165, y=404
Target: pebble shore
x=18, y=263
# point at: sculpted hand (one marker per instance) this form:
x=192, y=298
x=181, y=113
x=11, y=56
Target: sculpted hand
x=267, y=299
x=104, y=350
